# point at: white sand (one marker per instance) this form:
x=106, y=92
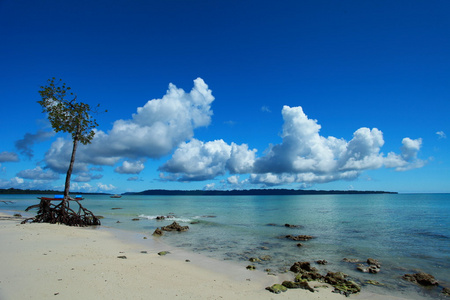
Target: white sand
x=43, y=261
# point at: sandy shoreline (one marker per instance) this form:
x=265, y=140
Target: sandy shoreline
x=41, y=261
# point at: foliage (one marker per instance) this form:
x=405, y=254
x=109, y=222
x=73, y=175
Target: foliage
x=67, y=114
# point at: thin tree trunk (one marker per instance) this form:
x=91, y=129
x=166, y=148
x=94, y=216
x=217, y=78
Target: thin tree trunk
x=69, y=171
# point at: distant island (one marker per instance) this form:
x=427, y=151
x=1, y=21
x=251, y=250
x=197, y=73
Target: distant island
x=13, y=191
x=251, y=192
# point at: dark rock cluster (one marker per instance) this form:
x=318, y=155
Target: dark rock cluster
x=305, y=273
x=421, y=278
x=175, y=227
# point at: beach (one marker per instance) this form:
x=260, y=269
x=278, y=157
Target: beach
x=47, y=261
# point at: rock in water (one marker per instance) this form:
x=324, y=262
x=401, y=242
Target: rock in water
x=421, y=278
x=158, y=232
x=175, y=227
x=301, y=237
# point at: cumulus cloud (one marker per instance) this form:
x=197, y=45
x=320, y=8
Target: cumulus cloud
x=152, y=132
x=15, y=182
x=303, y=156
x=134, y=167
x=25, y=145
x=407, y=160
x=86, y=177
x=38, y=174
x=6, y=156
x=196, y=160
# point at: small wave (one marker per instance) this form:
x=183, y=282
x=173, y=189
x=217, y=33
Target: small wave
x=169, y=218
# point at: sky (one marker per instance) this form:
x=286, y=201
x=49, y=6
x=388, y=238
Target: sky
x=325, y=95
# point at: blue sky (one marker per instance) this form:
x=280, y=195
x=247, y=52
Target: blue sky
x=231, y=94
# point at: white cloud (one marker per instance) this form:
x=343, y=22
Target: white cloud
x=233, y=179
x=210, y=186
x=38, y=174
x=20, y=183
x=86, y=177
x=87, y=188
x=441, y=134
x=407, y=160
x=6, y=156
x=152, y=132
x=106, y=187
x=134, y=167
x=304, y=156
x=195, y=160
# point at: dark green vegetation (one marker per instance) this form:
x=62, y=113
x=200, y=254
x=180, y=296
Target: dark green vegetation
x=13, y=191
x=252, y=192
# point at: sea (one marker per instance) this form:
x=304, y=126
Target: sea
x=406, y=233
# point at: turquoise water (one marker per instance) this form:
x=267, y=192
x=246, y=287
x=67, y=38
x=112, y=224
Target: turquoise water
x=405, y=232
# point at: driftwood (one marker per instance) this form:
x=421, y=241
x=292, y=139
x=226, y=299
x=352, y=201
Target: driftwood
x=61, y=213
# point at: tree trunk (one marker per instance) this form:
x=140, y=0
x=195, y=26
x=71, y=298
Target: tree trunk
x=69, y=171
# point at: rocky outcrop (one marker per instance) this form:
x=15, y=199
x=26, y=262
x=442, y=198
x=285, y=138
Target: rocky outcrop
x=175, y=227
x=421, y=278
x=298, y=285
x=305, y=271
x=276, y=288
x=301, y=237
x=292, y=226
x=373, y=266
x=341, y=284
x=158, y=232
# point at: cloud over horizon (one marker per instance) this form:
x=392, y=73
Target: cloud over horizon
x=304, y=156
x=152, y=132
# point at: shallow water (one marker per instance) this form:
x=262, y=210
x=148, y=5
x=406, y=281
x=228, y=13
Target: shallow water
x=405, y=232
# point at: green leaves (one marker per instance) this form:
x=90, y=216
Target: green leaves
x=65, y=113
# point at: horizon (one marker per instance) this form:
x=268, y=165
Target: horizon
x=231, y=95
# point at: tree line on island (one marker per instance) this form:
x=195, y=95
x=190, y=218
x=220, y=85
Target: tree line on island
x=250, y=192
x=253, y=192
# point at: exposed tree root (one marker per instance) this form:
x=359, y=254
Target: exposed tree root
x=61, y=213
